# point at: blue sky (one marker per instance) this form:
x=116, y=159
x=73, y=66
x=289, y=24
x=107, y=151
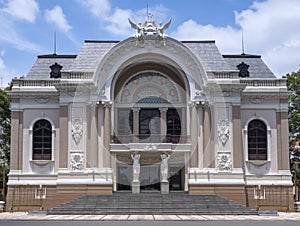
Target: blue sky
x=271, y=27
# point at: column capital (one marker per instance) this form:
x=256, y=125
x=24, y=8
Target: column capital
x=105, y=103
x=163, y=109
x=136, y=109
x=198, y=103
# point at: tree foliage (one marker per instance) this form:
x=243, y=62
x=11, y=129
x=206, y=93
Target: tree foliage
x=5, y=119
x=293, y=84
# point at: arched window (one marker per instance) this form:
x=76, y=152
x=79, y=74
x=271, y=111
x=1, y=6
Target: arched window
x=257, y=140
x=42, y=140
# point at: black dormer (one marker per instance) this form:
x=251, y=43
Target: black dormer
x=55, y=70
x=243, y=68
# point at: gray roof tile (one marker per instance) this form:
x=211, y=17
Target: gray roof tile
x=209, y=55
x=92, y=52
x=41, y=67
x=90, y=55
x=257, y=67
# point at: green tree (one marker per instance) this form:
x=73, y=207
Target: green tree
x=293, y=84
x=5, y=118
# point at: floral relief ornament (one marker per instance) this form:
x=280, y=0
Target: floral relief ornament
x=223, y=130
x=77, y=161
x=77, y=130
x=224, y=162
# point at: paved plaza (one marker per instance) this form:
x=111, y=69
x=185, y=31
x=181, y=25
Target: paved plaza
x=31, y=217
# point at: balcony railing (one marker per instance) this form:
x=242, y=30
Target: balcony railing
x=264, y=82
x=149, y=138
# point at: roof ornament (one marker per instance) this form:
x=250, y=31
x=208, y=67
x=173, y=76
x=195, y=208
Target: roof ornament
x=149, y=30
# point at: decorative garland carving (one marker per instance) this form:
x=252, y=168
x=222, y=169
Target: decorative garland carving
x=77, y=161
x=77, y=129
x=224, y=162
x=223, y=130
x=77, y=125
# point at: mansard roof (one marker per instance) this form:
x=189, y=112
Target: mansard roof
x=92, y=52
x=41, y=68
x=257, y=67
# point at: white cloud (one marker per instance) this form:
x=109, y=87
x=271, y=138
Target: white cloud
x=115, y=19
x=22, y=9
x=12, y=37
x=227, y=37
x=99, y=8
x=271, y=28
x=58, y=18
x=117, y=28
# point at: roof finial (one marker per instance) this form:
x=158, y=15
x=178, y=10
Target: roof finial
x=54, y=53
x=147, y=10
x=243, y=47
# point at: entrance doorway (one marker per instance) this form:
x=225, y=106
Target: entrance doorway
x=175, y=179
x=150, y=178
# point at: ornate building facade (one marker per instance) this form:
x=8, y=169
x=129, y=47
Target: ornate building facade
x=149, y=113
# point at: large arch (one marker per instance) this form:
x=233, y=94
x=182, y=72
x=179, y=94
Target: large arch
x=127, y=52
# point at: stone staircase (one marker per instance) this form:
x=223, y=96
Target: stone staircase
x=122, y=203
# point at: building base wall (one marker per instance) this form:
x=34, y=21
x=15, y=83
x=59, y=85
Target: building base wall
x=235, y=193
x=23, y=198
x=278, y=198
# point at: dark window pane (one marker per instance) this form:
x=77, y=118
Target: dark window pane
x=42, y=140
x=257, y=140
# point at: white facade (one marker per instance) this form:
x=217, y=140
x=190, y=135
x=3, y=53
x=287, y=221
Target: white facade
x=149, y=95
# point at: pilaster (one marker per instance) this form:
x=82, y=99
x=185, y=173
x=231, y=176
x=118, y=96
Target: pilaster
x=63, y=141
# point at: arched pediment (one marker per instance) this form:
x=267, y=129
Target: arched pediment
x=127, y=52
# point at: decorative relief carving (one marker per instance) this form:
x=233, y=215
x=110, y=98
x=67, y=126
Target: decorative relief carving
x=256, y=100
x=77, y=124
x=42, y=100
x=223, y=130
x=150, y=147
x=224, y=162
x=77, y=161
x=158, y=86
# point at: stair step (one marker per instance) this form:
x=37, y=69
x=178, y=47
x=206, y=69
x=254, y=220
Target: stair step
x=151, y=203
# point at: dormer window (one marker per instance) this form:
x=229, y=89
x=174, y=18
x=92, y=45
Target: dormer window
x=244, y=73
x=55, y=70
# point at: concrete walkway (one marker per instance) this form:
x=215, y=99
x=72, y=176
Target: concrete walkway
x=25, y=216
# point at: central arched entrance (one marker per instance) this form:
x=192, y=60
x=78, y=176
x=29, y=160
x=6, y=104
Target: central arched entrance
x=150, y=111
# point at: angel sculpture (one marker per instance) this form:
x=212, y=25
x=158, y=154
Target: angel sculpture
x=162, y=27
x=138, y=27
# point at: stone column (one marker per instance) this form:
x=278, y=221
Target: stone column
x=16, y=140
x=100, y=134
x=237, y=137
x=207, y=155
x=136, y=126
x=63, y=139
x=163, y=124
x=107, y=134
x=92, y=154
x=194, y=135
x=283, y=140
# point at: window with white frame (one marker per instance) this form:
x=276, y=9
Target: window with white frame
x=42, y=140
x=257, y=140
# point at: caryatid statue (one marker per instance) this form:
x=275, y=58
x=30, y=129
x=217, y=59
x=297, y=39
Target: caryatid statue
x=164, y=166
x=136, y=166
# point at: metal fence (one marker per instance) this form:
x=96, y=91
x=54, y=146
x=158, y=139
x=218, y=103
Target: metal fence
x=28, y=197
x=272, y=196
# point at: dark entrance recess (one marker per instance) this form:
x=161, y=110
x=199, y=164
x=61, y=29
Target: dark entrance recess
x=175, y=180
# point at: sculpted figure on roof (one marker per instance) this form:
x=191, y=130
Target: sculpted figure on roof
x=149, y=29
